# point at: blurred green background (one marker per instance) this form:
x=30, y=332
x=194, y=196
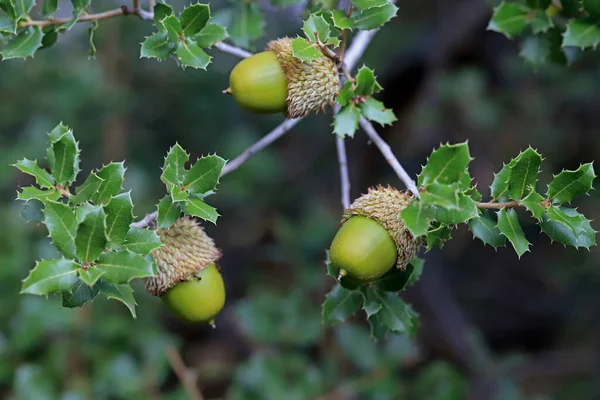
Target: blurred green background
x=492, y=326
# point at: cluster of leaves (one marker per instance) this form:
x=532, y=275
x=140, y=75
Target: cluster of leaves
x=91, y=228
x=448, y=199
x=552, y=31
x=185, y=37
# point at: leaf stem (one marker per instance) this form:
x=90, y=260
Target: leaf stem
x=499, y=206
x=183, y=374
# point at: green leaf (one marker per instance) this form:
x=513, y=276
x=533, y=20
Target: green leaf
x=345, y=122
x=581, y=34
x=499, y=186
x=64, y=159
x=366, y=4
x=441, y=195
x=50, y=36
x=523, y=173
x=463, y=210
x=123, y=266
x=374, y=110
x=211, y=34
x=198, y=208
x=366, y=84
x=341, y=21
x=540, y=22
x=32, y=211
x=50, y=276
x=87, y=190
x=509, y=226
x=446, y=164
x=91, y=237
x=378, y=329
x=122, y=293
x=81, y=4
x=203, y=176
x=346, y=94
x=7, y=25
x=593, y=7
x=437, y=236
x=24, y=45
x=191, y=55
x=119, y=214
x=172, y=27
x=179, y=194
x=395, y=313
x=141, y=241
x=371, y=305
x=375, y=17
x=168, y=212
x=49, y=7
x=397, y=279
x=91, y=36
x=247, y=24
x=23, y=7
x=57, y=132
x=569, y=227
x=157, y=46
x=113, y=175
x=340, y=304
x=194, y=18
x=536, y=50
x=79, y=295
x=31, y=167
x=174, y=167
x=316, y=29
x=485, y=229
x=91, y=275
x=568, y=184
x=509, y=19
x=533, y=203
x=62, y=226
x=161, y=11
x=417, y=217
x=304, y=50
x=33, y=193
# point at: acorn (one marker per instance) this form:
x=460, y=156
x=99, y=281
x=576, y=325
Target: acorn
x=274, y=81
x=187, y=278
x=373, y=238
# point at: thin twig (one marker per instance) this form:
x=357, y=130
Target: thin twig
x=146, y=221
x=137, y=6
x=236, y=51
x=151, y=5
x=344, y=175
x=499, y=206
x=187, y=380
x=387, y=153
x=117, y=12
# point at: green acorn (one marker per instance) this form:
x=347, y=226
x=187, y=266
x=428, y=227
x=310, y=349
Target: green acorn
x=275, y=81
x=187, y=278
x=373, y=237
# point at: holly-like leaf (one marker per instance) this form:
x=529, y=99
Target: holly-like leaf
x=157, y=46
x=375, y=17
x=371, y=305
x=81, y=4
x=79, y=295
x=172, y=26
x=437, y=236
x=540, y=22
x=247, y=24
x=345, y=122
x=211, y=34
x=463, y=210
x=374, y=110
x=8, y=6
x=141, y=241
x=441, y=195
x=123, y=266
x=64, y=159
x=485, y=229
x=162, y=11
x=533, y=203
x=91, y=275
x=23, y=7
x=499, y=186
x=194, y=18
x=50, y=276
x=378, y=329
x=568, y=184
x=340, y=304
x=7, y=25
x=508, y=224
x=341, y=21
x=316, y=29
x=446, y=164
x=509, y=19
x=33, y=193
x=366, y=4
x=395, y=280
x=24, y=45
x=179, y=194
x=536, y=50
x=91, y=237
x=119, y=214
x=203, y=176
x=346, y=94
x=49, y=7
x=174, y=167
x=582, y=34
x=395, y=313
x=366, y=84
x=191, y=55
x=523, y=173
x=168, y=212
x=62, y=226
x=113, y=175
x=304, y=50
x=88, y=189
x=31, y=167
x=122, y=293
x=417, y=217
x=198, y=208
x=568, y=227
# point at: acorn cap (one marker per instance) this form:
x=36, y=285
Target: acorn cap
x=311, y=85
x=186, y=249
x=384, y=205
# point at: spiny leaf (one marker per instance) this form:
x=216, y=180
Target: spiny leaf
x=87, y=190
x=79, y=295
x=316, y=29
x=437, y=236
x=24, y=45
x=417, y=217
x=345, y=122
x=346, y=94
x=174, y=167
x=375, y=17
x=533, y=203
x=161, y=11
x=91, y=237
x=141, y=241
x=191, y=55
x=172, y=26
x=366, y=84
x=485, y=229
x=395, y=313
x=203, y=176
x=123, y=266
x=194, y=18
x=33, y=193
x=211, y=34
x=446, y=164
x=122, y=293
x=64, y=161
x=304, y=50
x=247, y=24
x=50, y=276
x=508, y=223
x=569, y=227
x=157, y=46
x=374, y=110
x=366, y=4
x=62, y=226
x=49, y=7
x=499, y=186
x=119, y=214
x=581, y=34
x=568, y=184
x=341, y=21
x=523, y=173
x=91, y=275
x=509, y=19
x=398, y=279
x=31, y=167
x=340, y=304
x=198, y=208
x=168, y=212
x=7, y=25
x=113, y=175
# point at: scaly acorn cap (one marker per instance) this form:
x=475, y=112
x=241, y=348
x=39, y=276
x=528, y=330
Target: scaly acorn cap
x=311, y=85
x=186, y=249
x=384, y=205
